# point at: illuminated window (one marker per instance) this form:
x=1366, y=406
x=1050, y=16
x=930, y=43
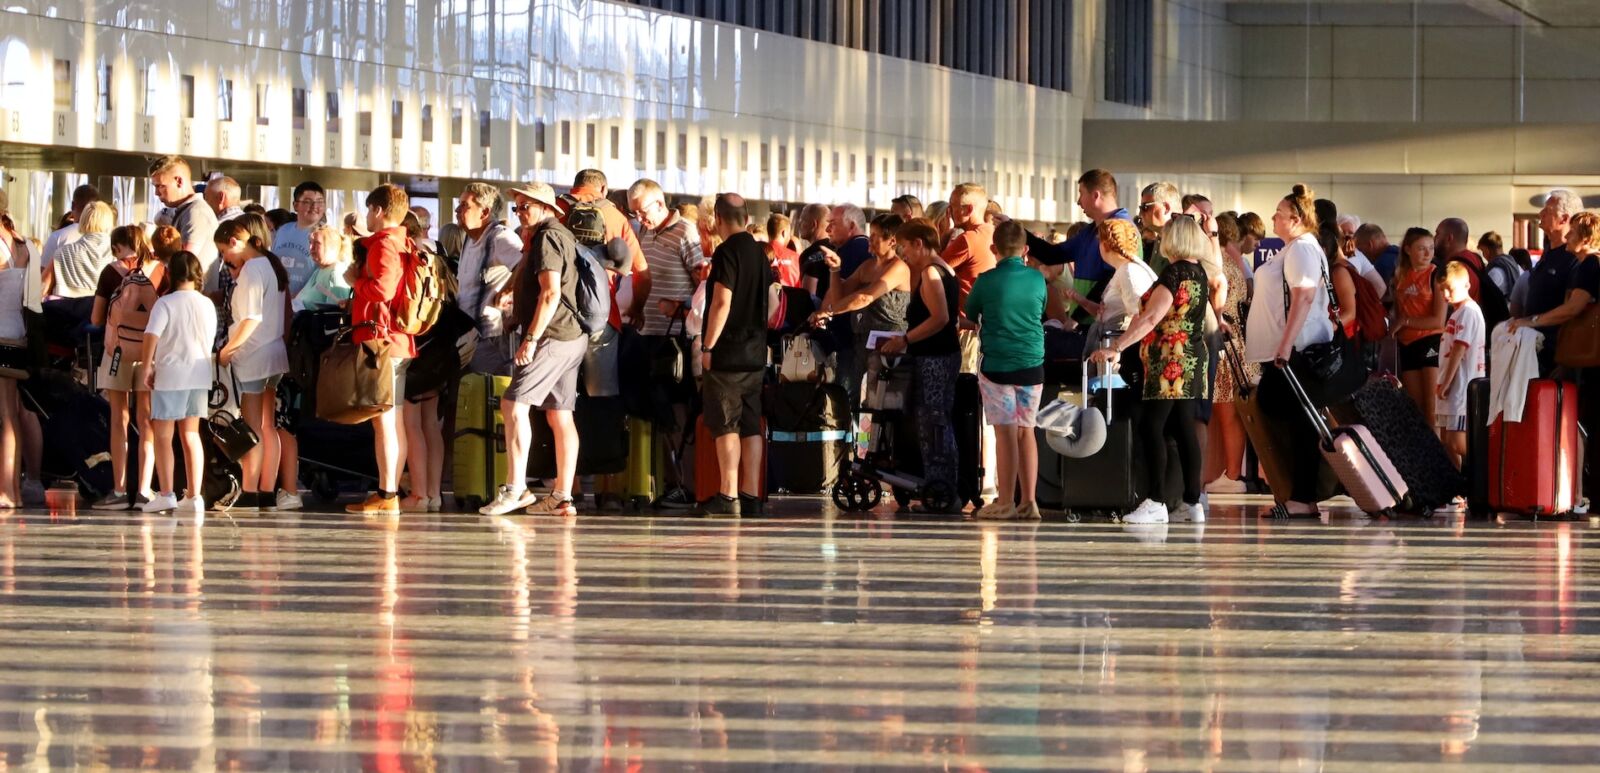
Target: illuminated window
x=225, y=99
x=331, y=107
x=186, y=95
x=397, y=120
x=263, y=99
x=297, y=108
x=483, y=128
x=427, y=123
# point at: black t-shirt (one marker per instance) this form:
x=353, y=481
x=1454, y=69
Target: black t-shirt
x=740, y=265
x=1585, y=277
x=1552, y=276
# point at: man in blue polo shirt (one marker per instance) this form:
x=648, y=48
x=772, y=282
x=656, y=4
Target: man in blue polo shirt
x=1097, y=197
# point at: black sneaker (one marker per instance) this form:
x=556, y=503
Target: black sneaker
x=720, y=506
x=749, y=505
x=676, y=498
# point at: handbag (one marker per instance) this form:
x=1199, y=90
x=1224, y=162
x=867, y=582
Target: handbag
x=1334, y=369
x=1578, y=342
x=355, y=382
x=234, y=437
x=667, y=355
x=803, y=360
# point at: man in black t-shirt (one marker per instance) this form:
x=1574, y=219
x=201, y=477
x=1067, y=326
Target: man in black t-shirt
x=734, y=352
x=1547, y=283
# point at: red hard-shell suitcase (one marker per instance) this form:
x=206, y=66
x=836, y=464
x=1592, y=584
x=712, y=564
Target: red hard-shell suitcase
x=1535, y=464
x=707, y=479
x=1355, y=456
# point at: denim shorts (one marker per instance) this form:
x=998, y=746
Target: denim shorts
x=175, y=404
x=261, y=385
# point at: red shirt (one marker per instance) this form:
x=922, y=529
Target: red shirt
x=970, y=253
x=785, y=264
x=377, y=290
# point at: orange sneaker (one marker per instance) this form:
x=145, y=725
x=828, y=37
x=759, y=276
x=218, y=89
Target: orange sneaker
x=375, y=504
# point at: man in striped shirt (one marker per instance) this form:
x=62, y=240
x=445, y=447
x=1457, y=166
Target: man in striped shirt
x=671, y=247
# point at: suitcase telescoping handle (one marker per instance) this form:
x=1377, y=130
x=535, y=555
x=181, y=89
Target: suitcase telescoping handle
x=1241, y=377
x=1105, y=378
x=1323, y=432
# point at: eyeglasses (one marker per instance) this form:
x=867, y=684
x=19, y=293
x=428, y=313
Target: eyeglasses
x=520, y=208
x=312, y=203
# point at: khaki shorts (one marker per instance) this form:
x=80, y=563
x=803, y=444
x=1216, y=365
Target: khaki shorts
x=128, y=378
x=969, y=350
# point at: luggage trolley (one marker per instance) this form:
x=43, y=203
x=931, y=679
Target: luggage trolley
x=891, y=450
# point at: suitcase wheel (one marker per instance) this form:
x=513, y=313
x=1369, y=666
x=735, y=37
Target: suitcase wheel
x=1071, y=516
x=857, y=493
x=638, y=504
x=902, y=497
x=940, y=497
x=470, y=504
x=324, y=488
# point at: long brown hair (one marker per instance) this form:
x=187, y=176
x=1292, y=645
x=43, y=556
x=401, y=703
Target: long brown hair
x=1403, y=269
x=132, y=238
x=233, y=229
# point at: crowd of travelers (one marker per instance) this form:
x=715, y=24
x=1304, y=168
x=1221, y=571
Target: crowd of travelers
x=1205, y=322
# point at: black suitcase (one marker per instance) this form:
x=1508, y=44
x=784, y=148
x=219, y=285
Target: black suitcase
x=1409, y=439
x=1477, y=462
x=1112, y=482
x=602, y=424
x=809, y=431
x=220, y=478
x=968, y=424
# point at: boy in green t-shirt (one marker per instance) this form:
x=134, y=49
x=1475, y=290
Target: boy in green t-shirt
x=1007, y=303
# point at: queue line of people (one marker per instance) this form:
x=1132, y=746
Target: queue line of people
x=955, y=287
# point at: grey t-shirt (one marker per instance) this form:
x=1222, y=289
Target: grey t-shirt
x=198, y=224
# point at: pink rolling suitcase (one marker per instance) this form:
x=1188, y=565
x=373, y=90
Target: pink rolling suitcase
x=1363, y=468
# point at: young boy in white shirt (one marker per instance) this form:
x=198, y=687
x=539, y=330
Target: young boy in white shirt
x=1463, y=358
x=177, y=353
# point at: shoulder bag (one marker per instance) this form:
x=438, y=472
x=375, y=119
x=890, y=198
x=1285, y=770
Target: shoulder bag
x=234, y=437
x=355, y=382
x=1578, y=342
x=1334, y=370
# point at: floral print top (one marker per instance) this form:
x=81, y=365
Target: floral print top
x=1175, y=355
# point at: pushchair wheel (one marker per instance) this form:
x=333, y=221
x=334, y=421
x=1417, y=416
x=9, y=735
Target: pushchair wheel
x=324, y=488
x=857, y=493
x=939, y=497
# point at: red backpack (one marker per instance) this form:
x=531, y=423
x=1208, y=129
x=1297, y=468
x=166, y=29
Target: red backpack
x=1372, y=320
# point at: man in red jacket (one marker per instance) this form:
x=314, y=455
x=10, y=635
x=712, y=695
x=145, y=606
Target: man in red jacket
x=376, y=281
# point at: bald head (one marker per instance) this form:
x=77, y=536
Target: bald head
x=1450, y=237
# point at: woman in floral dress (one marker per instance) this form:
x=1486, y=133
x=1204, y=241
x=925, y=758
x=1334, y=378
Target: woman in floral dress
x=1171, y=325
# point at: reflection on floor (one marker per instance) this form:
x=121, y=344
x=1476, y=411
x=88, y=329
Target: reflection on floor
x=319, y=642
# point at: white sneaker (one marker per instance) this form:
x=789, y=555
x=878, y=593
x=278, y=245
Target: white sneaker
x=508, y=500
x=191, y=506
x=1195, y=513
x=1148, y=511
x=160, y=503
x=1225, y=485
x=289, y=500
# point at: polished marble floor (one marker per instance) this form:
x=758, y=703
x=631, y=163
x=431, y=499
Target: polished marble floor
x=316, y=642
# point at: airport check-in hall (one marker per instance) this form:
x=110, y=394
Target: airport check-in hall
x=848, y=385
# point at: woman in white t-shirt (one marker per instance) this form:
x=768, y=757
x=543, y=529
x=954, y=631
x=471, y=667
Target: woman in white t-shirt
x=20, y=287
x=255, y=352
x=1289, y=312
x=177, y=353
x=1124, y=294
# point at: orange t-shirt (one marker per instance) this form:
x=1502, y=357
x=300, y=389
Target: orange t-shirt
x=970, y=253
x=1414, y=295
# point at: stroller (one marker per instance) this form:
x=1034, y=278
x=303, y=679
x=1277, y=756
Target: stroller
x=891, y=455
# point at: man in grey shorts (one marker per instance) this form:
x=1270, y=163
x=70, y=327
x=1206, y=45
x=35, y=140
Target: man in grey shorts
x=550, y=346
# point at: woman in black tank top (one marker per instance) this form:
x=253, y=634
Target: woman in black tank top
x=930, y=341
